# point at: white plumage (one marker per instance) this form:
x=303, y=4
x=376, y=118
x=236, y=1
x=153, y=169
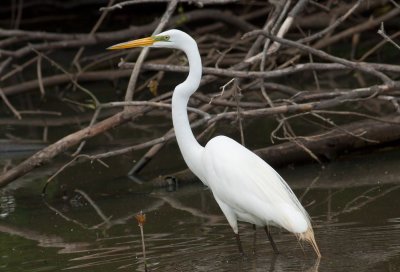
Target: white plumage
x=249, y=189
x=245, y=187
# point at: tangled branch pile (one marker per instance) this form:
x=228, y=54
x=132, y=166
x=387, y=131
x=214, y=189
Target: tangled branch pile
x=332, y=65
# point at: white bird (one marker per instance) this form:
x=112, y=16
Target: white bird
x=245, y=187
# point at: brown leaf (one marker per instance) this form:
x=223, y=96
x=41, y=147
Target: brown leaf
x=153, y=87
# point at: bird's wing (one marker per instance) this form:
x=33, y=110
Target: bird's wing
x=250, y=186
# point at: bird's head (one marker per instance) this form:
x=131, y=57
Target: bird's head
x=168, y=39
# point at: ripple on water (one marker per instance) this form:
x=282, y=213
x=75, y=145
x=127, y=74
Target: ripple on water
x=188, y=234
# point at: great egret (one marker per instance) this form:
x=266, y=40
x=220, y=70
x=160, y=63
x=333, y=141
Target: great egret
x=245, y=187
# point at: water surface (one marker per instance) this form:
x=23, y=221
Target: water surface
x=86, y=226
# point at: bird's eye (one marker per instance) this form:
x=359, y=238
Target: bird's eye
x=166, y=38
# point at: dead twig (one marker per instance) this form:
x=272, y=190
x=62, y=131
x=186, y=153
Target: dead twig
x=9, y=105
x=135, y=73
x=134, y=2
x=354, y=65
x=382, y=32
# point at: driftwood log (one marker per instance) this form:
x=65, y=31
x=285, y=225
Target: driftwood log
x=327, y=146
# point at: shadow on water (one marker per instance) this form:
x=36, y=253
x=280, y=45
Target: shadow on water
x=354, y=205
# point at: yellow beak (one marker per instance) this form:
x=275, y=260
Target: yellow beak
x=135, y=43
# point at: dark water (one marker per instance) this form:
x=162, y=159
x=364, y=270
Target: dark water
x=354, y=204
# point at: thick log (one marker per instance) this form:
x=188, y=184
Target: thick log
x=47, y=154
x=339, y=141
x=327, y=146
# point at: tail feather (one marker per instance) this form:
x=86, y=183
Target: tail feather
x=309, y=237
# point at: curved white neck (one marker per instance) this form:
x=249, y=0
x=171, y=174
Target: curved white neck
x=191, y=150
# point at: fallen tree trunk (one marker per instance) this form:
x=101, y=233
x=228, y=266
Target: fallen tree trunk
x=326, y=146
x=47, y=154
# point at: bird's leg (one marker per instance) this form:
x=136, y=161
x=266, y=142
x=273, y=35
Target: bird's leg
x=239, y=243
x=254, y=239
x=274, y=247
